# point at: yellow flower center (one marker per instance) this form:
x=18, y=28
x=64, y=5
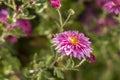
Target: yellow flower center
x=73, y=40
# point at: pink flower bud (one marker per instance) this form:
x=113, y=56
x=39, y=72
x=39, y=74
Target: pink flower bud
x=55, y=3
x=31, y=1
x=91, y=58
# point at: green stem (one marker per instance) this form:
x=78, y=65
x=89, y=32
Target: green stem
x=34, y=61
x=4, y=34
x=81, y=62
x=14, y=5
x=55, y=60
x=39, y=76
x=119, y=43
x=66, y=20
x=2, y=38
x=60, y=20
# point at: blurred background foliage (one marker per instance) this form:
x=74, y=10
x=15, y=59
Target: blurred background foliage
x=27, y=58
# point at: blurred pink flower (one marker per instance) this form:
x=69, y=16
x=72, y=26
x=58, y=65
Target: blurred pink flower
x=3, y=15
x=104, y=22
x=55, y=3
x=72, y=43
x=12, y=39
x=112, y=6
x=101, y=21
x=107, y=21
x=117, y=2
x=101, y=2
x=24, y=24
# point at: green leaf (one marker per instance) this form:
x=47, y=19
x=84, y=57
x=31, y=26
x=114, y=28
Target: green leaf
x=41, y=64
x=16, y=31
x=28, y=16
x=1, y=28
x=70, y=63
x=49, y=60
x=58, y=73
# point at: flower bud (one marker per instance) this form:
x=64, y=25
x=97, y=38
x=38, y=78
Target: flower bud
x=71, y=11
x=55, y=3
x=91, y=59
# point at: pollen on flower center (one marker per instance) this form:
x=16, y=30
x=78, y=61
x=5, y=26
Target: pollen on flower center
x=73, y=40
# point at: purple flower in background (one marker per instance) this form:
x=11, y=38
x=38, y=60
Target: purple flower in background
x=101, y=21
x=101, y=2
x=3, y=15
x=55, y=3
x=108, y=21
x=112, y=6
x=104, y=22
x=72, y=43
x=12, y=39
x=24, y=24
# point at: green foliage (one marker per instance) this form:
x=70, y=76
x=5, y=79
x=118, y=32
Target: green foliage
x=70, y=63
x=58, y=73
x=16, y=31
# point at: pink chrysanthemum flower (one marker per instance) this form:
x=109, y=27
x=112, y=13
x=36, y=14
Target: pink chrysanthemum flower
x=113, y=6
x=72, y=43
x=55, y=3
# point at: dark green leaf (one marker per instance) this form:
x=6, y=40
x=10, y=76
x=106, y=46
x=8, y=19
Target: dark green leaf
x=58, y=73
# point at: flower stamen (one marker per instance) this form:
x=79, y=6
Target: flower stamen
x=73, y=40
